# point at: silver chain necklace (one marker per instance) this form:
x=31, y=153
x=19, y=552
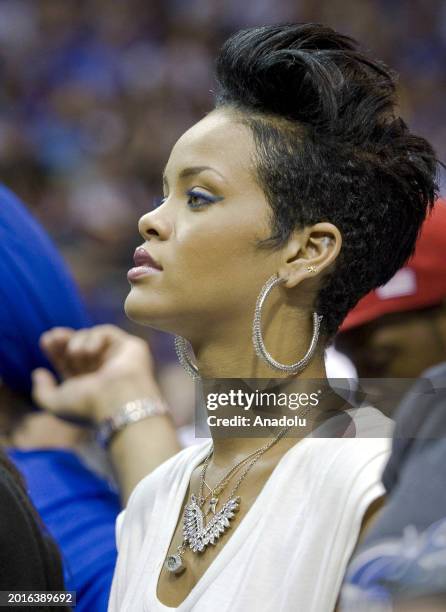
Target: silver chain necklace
x=218, y=488
x=197, y=534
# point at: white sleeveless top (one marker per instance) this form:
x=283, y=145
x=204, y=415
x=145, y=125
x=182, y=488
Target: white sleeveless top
x=290, y=551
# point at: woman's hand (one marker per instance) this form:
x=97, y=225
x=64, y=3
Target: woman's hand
x=101, y=367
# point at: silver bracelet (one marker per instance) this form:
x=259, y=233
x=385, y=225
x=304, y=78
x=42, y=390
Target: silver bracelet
x=131, y=412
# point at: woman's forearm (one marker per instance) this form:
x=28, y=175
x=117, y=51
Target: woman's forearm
x=139, y=448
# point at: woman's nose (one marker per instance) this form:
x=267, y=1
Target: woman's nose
x=153, y=225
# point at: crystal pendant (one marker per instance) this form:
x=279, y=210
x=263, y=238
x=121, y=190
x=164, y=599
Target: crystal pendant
x=197, y=533
x=174, y=564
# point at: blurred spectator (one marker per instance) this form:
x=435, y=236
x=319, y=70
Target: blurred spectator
x=394, y=334
x=399, y=330
x=77, y=506
x=403, y=555
x=29, y=558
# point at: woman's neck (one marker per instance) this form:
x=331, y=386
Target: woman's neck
x=316, y=403
x=231, y=355
x=242, y=403
x=226, y=350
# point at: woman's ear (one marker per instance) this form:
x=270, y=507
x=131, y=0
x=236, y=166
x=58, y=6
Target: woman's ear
x=310, y=253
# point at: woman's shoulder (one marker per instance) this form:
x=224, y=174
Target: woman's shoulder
x=369, y=434
x=168, y=472
x=370, y=422
x=333, y=460
x=350, y=464
x=163, y=480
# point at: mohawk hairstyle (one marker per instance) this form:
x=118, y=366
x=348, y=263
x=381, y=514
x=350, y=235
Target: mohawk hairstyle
x=330, y=147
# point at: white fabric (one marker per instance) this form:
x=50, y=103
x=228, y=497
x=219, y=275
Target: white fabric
x=289, y=552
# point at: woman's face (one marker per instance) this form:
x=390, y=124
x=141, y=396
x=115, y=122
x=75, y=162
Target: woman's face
x=203, y=235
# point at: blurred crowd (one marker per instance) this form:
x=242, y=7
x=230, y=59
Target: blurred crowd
x=95, y=92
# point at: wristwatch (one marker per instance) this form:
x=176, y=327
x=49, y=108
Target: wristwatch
x=131, y=412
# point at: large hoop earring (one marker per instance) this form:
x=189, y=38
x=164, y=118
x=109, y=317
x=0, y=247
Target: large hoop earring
x=183, y=353
x=257, y=338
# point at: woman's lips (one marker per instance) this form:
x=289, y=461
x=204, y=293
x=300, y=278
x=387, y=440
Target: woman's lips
x=145, y=265
x=139, y=271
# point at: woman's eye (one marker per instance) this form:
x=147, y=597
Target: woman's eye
x=195, y=199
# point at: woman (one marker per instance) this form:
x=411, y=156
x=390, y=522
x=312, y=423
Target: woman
x=304, y=186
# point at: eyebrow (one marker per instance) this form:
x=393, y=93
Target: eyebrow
x=193, y=171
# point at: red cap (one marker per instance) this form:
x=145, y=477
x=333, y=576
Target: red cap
x=419, y=284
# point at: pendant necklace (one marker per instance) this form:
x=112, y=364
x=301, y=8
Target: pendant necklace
x=197, y=533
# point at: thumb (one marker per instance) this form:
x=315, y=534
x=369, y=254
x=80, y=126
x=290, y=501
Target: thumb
x=44, y=389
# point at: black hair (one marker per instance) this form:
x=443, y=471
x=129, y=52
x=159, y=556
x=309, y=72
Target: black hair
x=29, y=557
x=330, y=147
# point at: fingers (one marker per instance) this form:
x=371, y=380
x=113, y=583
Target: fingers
x=82, y=351
x=108, y=336
x=70, y=400
x=54, y=343
x=88, y=348
x=44, y=391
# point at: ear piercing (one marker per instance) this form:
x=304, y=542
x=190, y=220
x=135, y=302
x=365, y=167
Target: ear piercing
x=325, y=240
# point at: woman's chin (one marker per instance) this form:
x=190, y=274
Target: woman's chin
x=137, y=310
x=144, y=312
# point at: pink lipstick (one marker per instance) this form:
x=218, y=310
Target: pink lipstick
x=144, y=265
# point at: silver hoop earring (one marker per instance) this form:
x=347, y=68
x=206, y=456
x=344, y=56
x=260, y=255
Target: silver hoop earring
x=183, y=353
x=257, y=338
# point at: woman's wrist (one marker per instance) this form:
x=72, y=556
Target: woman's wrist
x=129, y=413
x=108, y=403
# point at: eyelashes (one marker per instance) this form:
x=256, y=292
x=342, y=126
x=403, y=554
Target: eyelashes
x=195, y=200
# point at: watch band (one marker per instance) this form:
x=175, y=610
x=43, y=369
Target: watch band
x=130, y=412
